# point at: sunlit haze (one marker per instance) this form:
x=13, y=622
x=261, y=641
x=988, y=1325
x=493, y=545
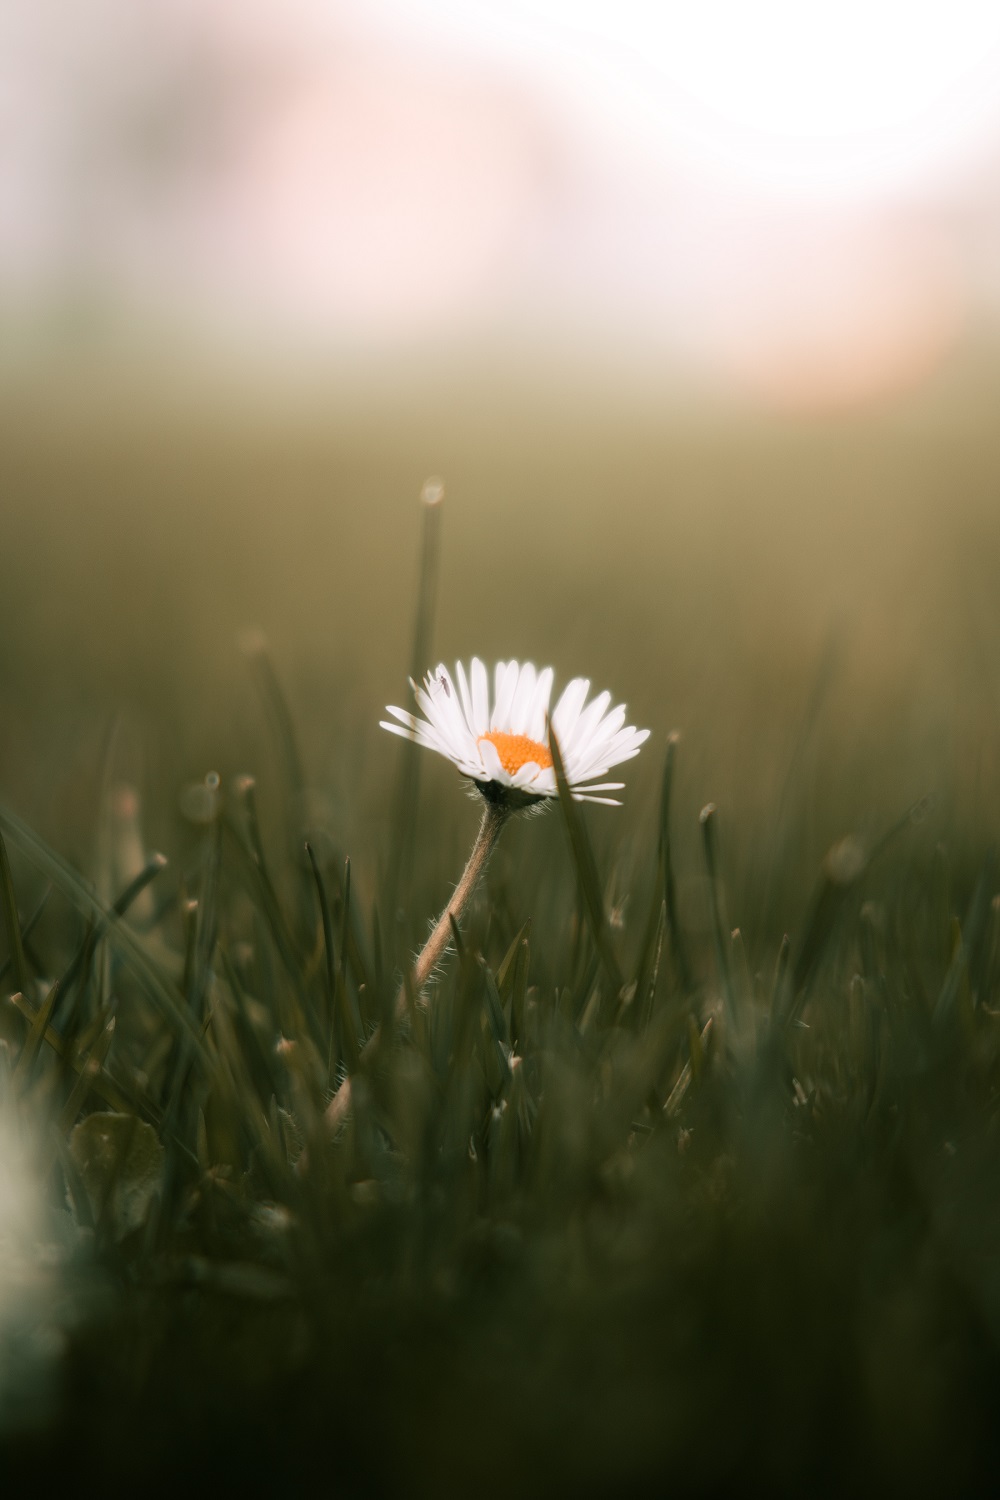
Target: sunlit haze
x=857, y=95
x=799, y=202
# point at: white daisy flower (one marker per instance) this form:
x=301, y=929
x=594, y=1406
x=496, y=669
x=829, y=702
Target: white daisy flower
x=504, y=749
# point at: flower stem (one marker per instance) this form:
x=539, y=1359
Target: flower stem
x=495, y=816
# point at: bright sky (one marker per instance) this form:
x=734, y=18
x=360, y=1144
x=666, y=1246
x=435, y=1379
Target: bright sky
x=811, y=95
x=798, y=197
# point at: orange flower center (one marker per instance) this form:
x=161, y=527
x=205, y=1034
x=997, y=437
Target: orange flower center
x=515, y=750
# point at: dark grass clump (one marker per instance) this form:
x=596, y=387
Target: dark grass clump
x=615, y=1208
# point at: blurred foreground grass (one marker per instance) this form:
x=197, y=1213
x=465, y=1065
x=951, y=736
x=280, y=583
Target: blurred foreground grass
x=708, y=1209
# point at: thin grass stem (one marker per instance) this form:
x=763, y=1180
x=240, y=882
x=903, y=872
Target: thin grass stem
x=495, y=815
x=408, y=786
x=708, y=816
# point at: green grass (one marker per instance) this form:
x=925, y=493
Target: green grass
x=683, y=1179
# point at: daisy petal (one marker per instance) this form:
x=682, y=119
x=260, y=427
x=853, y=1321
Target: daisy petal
x=491, y=763
x=522, y=699
x=506, y=686
x=463, y=693
x=449, y=711
x=609, y=726
x=593, y=748
x=567, y=710
x=527, y=773
x=434, y=707
x=623, y=747
x=480, y=722
x=587, y=722
x=538, y=707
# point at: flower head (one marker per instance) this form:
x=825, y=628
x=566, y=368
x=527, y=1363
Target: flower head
x=505, y=750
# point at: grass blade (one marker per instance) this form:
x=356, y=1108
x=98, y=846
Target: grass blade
x=505, y=973
x=708, y=816
x=404, y=820
x=26, y=932
x=664, y=894
x=75, y=1056
x=842, y=867
x=157, y=986
x=79, y=966
x=780, y=972
x=698, y=1043
x=277, y=710
x=353, y=1026
x=12, y=922
x=90, y=1073
x=519, y=990
x=586, y=868
x=325, y=918
x=495, y=1018
x=647, y=995
x=968, y=944
x=36, y=1034
x=678, y=946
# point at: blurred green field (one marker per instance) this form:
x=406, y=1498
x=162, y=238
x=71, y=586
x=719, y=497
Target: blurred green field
x=813, y=604
x=655, y=1254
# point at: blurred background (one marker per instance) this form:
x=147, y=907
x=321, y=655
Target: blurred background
x=694, y=308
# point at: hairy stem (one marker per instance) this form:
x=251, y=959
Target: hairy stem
x=495, y=816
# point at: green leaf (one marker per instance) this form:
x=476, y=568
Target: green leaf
x=120, y=1163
